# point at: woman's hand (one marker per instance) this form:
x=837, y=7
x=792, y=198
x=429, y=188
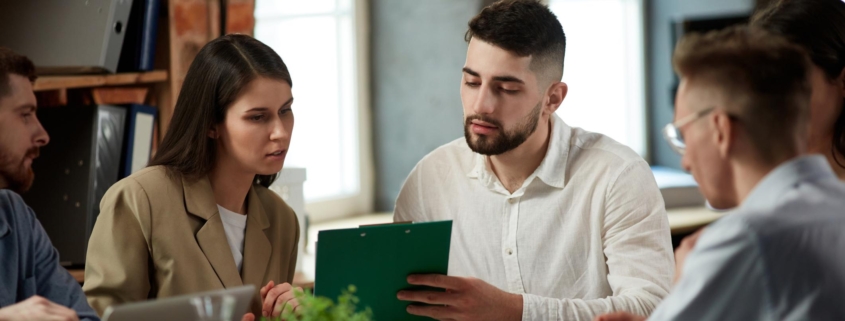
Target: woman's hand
x=276, y=298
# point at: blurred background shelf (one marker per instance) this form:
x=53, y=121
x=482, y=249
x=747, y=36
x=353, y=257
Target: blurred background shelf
x=45, y=83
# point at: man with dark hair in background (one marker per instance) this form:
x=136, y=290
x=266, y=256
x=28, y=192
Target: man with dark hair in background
x=550, y=222
x=33, y=286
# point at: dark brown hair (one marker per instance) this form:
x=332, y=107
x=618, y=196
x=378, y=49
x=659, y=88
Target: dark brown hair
x=764, y=79
x=819, y=27
x=525, y=28
x=216, y=77
x=12, y=63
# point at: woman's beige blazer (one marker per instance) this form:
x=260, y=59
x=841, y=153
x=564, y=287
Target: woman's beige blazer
x=161, y=235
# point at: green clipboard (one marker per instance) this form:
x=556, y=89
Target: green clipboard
x=377, y=261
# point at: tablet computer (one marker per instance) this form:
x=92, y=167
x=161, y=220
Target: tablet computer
x=235, y=303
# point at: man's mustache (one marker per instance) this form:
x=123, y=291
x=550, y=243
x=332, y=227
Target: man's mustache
x=33, y=153
x=484, y=119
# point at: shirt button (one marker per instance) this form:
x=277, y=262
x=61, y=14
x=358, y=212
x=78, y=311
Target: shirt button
x=511, y=200
x=509, y=251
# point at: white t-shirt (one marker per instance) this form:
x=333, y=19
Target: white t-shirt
x=235, y=225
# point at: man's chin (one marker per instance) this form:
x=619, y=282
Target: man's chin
x=20, y=183
x=485, y=148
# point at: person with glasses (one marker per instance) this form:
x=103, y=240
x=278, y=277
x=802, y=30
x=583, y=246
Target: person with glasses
x=741, y=113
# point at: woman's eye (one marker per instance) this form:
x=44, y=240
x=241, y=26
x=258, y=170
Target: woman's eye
x=284, y=111
x=257, y=117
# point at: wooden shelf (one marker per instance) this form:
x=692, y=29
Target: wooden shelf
x=78, y=275
x=46, y=83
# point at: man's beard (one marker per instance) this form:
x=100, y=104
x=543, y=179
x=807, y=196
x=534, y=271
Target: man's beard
x=504, y=141
x=18, y=177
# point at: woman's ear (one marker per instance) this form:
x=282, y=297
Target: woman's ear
x=212, y=133
x=841, y=82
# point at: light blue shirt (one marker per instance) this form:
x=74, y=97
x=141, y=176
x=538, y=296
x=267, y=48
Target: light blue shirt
x=779, y=256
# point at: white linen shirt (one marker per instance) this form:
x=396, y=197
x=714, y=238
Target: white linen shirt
x=586, y=234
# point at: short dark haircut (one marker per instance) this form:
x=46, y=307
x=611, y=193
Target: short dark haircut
x=764, y=79
x=819, y=27
x=525, y=28
x=218, y=74
x=13, y=63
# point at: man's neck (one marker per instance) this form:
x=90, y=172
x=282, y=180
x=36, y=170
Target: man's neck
x=748, y=174
x=230, y=186
x=514, y=167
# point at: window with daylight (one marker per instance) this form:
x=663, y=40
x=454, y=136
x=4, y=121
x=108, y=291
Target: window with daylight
x=604, y=68
x=317, y=39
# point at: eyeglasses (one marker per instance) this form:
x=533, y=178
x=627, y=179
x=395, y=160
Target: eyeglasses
x=672, y=131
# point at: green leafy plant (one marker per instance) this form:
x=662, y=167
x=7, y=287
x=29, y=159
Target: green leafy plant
x=314, y=308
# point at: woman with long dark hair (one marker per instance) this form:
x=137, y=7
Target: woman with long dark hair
x=819, y=27
x=200, y=217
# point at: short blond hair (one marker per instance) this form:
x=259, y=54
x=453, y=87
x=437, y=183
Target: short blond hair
x=764, y=80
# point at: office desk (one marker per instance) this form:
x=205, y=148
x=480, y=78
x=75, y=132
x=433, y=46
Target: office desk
x=682, y=221
x=690, y=219
x=685, y=221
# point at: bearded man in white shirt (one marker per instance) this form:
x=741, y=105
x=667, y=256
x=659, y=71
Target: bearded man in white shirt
x=550, y=222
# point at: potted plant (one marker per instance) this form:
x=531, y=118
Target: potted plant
x=314, y=308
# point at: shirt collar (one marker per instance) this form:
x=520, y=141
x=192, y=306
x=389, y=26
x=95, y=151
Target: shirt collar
x=786, y=177
x=552, y=169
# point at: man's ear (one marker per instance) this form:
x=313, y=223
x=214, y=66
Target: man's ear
x=841, y=82
x=555, y=96
x=725, y=132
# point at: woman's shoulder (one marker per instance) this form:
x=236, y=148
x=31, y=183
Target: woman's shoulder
x=148, y=179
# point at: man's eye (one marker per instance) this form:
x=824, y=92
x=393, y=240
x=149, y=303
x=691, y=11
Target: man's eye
x=471, y=84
